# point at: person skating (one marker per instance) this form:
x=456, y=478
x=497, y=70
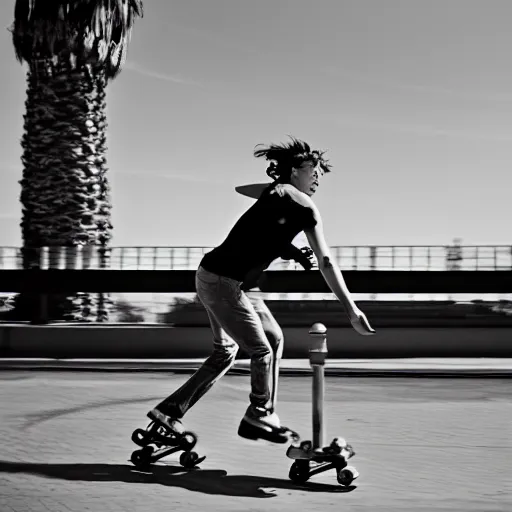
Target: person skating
x=261, y=235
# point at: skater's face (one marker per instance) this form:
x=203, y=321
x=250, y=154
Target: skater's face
x=307, y=177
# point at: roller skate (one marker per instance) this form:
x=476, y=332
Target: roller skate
x=162, y=437
x=310, y=461
x=259, y=423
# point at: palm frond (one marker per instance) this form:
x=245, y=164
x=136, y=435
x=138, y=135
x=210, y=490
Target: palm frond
x=78, y=31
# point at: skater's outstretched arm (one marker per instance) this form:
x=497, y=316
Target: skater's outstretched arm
x=332, y=273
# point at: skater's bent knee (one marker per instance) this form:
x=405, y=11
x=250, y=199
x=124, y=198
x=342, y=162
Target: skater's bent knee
x=275, y=338
x=226, y=352
x=263, y=353
x=278, y=349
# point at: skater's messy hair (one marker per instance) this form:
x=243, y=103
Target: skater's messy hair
x=284, y=156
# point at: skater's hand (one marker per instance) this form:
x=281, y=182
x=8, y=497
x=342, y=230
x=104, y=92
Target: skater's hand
x=360, y=322
x=285, y=189
x=304, y=256
x=282, y=189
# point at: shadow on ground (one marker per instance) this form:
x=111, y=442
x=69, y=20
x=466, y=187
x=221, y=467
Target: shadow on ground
x=38, y=417
x=214, y=481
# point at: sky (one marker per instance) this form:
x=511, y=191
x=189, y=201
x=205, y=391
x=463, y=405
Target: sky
x=411, y=99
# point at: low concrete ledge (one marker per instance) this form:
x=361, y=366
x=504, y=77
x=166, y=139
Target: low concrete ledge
x=416, y=314
x=145, y=341
x=414, y=367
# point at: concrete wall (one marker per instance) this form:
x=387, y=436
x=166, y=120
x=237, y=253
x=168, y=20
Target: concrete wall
x=159, y=341
x=413, y=314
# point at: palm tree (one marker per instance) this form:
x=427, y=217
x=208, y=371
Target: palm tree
x=72, y=49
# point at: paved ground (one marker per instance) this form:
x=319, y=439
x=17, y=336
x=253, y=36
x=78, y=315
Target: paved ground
x=422, y=445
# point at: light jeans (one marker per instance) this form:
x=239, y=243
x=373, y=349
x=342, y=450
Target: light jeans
x=235, y=320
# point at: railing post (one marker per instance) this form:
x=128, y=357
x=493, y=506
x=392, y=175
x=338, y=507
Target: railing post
x=41, y=315
x=87, y=255
x=71, y=257
x=54, y=256
x=338, y=257
x=373, y=257
x=155, y=258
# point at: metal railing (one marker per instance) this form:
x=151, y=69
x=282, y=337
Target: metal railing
x=397, y=257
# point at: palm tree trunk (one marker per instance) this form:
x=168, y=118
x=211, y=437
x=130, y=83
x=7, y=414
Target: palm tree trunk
x=73, y=48
x=65, y=191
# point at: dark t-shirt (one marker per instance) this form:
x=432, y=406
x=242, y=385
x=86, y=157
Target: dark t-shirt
x=259, y=236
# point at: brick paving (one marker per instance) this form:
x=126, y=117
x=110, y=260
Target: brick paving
x=422, y=445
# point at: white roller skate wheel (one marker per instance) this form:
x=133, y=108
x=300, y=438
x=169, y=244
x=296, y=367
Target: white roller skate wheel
x=347, y=475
